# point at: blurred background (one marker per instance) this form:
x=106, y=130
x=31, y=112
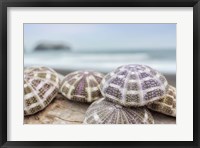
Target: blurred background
x=101, y=47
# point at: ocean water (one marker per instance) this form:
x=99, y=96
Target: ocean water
x=103, y=61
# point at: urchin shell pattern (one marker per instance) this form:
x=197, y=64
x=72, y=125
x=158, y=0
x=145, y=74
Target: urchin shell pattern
x=106, y=112
x=166, y=105
x=82, y=86
x=133, y=85
x=41, y=85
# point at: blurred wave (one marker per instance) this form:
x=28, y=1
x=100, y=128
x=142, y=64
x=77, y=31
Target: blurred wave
x=162, y=60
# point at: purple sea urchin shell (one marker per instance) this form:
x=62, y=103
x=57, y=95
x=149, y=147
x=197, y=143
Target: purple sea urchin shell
x=166, y=105
x=82, y=86
x=133, y=85
x=41, y=85
x=105, y=112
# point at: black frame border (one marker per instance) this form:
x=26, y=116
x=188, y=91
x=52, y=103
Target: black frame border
x=4, y=4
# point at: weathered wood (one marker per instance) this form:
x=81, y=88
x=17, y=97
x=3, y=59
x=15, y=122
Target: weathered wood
x=59, y=111
x=163, y=119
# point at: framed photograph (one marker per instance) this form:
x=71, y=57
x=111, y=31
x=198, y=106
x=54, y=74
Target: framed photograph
x=100, y=73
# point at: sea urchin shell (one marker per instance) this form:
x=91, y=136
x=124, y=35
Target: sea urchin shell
x=41, y=85
x=105, y=112
x=82, y=86
x=166, y=105
x=133, y=85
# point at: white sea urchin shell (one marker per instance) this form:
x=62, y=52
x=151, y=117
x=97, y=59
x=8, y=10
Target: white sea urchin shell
x=133, y=85
x=166, y=105
x=105, y=112
x=41, y=85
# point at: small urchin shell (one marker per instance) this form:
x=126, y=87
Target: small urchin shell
x=133, y=85
x=166, y=105
x=105, y=112
x=41, y=85
x=82, y=86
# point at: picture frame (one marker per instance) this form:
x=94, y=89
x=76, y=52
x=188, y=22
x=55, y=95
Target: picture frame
x=99, y=3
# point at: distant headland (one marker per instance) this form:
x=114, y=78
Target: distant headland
x=51, y=46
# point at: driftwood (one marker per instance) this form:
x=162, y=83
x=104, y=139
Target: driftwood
x=59, y=111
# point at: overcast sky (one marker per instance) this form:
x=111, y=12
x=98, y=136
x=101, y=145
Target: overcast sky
x=102, y=36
